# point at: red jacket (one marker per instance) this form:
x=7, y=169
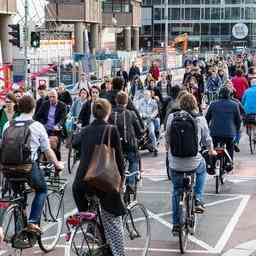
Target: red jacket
x=240, y=84
x=155, y=72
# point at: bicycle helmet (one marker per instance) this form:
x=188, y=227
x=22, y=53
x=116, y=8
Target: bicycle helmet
x=225, y=92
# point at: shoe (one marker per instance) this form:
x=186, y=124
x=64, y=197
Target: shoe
x=236, y=148
x=199, y=207
x=155, y=152
x=33, y=228
x=176, y=230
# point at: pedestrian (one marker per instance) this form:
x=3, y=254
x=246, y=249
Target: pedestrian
x=42, y=92
x=122, y=73
x=112, y=207
x=64, y=96
x=240, y=84
x=155, y=71
x=134, y=71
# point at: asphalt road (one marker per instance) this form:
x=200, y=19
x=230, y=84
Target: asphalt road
x=229, y=219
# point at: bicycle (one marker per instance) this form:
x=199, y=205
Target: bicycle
x=221, y=166
x=16, y=236
x=186, y=210
x=88, y=238
x=73, y=154
x=251, y=131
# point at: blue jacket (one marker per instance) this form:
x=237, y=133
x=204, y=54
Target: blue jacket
x=223, y=117
x=249, y=100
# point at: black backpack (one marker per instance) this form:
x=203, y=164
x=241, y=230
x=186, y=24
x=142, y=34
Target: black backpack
x=123, y=122
x=16, y=149
x=183, y=135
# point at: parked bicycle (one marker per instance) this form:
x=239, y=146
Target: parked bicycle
x=14, y=204
x=86, y=233
x=251, y=131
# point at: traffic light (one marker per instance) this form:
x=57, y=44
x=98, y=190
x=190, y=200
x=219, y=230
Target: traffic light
x=15, y=33
x=35, y=39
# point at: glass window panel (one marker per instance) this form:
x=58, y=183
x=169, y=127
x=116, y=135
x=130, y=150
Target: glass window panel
x=215, y=29
x=207, y=13
x=175, y=14
x=195, y=13
x=235, y=13
x=205, y=29
x=187, y=13
x=233, y=1
x=215, y=13
x=157, y=13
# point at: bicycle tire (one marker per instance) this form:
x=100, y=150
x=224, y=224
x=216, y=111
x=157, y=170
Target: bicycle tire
x=87, y=243
x=251, y=140
x=183, y=229
x=167, y=166
x=11, y=227
x=49, y=220
x=136, y=222
x=71, y=158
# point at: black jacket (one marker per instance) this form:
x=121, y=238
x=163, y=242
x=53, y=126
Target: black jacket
x=60, y=113
x=134, y=131
x=39, y=103
x=66, y=98
x=124, y=75
x=133, y=72
x=85, y=113
x=85, y=141
x=223, y=117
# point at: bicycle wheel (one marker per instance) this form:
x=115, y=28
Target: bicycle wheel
x=252, y=142
x=72, y=158
x=167, y=166
x=136, y=230
x=13, y=224
x=52, y=220
x=183, y=232
x=87, y=239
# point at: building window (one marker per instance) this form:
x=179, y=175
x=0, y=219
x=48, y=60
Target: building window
x=215, y=13
x=157, y=13
x=175, y=14
x=235, y=13
x=233, y=1
x=116, y=6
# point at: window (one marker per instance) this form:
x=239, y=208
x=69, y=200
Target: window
x=250, y=13
x=227, y=13
x=233, y=1
x=157, y=14
x=235, y=13
x=175, y=14
x=116, y=6
x=174, y=2
x=215, y=13
x=195, y=13
x=205, y=29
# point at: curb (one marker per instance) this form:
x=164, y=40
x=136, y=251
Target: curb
x=244, y=249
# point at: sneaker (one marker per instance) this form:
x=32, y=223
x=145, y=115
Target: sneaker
x=236, y=148
x=199, y=207
x=176, y=230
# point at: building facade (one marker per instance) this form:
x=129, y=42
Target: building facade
x=209, y=23
x=8, y=8
x=123, y=16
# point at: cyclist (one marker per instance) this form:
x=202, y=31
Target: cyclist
x=130, y=131
x=224, y=109
x=249, y=97
x=112, y=207
x=188, y=105
x=86, y=116
x=39, y=141
x=52, y=115
x=148, y=110
x=240, y=84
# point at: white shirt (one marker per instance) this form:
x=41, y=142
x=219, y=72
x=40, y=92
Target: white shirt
x=39, y=136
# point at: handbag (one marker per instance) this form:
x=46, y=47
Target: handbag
x=103, y=173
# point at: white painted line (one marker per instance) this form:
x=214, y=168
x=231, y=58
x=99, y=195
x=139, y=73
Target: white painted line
x=223, y=201
x=193, y=239
x=231, y=225
x=245, y=249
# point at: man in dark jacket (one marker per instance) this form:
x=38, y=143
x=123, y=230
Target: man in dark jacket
x=122, y=73
x=64, y=95
x=52, y=115
x=130, y=131
x=134, y=70
x=42, y=92
x=224, y=119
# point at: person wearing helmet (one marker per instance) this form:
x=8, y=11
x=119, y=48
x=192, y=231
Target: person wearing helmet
x=224, y=119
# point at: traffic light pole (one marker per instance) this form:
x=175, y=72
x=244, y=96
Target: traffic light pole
x=26, y=45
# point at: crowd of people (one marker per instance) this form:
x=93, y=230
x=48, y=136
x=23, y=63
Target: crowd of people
x=134, y=108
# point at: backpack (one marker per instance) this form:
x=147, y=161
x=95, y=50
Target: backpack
x=123, y=122
x=16, y=149
x=183, y=135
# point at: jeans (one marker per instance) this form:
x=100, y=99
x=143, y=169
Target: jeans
x=177, y=180
x=39, y=184
x=153, y=126
x=133, y=161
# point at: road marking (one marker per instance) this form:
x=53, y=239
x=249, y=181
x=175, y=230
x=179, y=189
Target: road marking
x=191, y=238
x=231, y=225
x=245, y=249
